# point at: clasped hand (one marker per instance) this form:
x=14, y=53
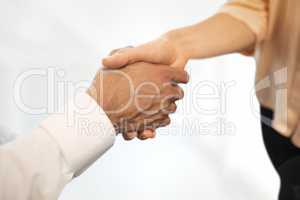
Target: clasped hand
x=137, y=94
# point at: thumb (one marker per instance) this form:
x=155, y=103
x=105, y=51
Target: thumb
x=121, y=58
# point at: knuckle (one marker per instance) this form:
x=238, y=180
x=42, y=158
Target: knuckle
x=127, y=137
x=181, y=93
x=184, y=75
x=173, y=108
x=175, y=93
x=170, y=109
x=187, y=76
x=167, y=121
x=142, y=136
x=170, y=90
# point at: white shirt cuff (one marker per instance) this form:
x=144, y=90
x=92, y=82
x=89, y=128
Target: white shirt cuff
x=83, y=132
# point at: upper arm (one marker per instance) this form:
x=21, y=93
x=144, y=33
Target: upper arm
x=252, y=13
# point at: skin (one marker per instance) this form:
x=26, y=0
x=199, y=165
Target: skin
x=218, y=35
x=133, y=104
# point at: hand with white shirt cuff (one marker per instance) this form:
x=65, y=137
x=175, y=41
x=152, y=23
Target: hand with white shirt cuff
x=129, y=100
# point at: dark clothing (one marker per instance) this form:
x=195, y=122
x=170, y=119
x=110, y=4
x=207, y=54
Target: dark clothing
x=284, y=156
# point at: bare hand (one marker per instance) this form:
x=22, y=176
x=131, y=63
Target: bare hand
x=138, y=97
x=160, y=51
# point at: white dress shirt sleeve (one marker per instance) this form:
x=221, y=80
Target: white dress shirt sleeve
x=39, y=165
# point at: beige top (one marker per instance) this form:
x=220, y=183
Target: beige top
x=276, y=24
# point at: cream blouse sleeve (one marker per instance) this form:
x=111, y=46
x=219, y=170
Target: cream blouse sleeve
x=252, y=13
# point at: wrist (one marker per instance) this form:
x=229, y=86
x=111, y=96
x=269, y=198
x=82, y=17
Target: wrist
x=97, y=96
x=176, y=39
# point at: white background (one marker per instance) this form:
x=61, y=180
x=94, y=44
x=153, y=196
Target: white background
x=73, y=35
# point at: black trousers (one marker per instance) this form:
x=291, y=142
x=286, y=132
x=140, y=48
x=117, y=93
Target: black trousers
x=284, y=156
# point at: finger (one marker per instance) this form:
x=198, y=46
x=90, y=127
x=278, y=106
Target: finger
x=173, y=93
x=153, y=134
x=170, y=96
x=160, y=122
x=149, y=132
x=179, y=75
x=171, y=109
x=179, y=93
x=123, y=58
x=146, y=134
x=163, y=123
x=119, y=50
x=146, y=120
x=150, y=123
x=129, y=135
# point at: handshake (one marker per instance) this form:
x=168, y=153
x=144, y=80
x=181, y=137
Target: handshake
x=138, y=88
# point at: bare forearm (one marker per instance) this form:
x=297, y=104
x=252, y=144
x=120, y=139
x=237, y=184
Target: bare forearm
x=219, y=34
